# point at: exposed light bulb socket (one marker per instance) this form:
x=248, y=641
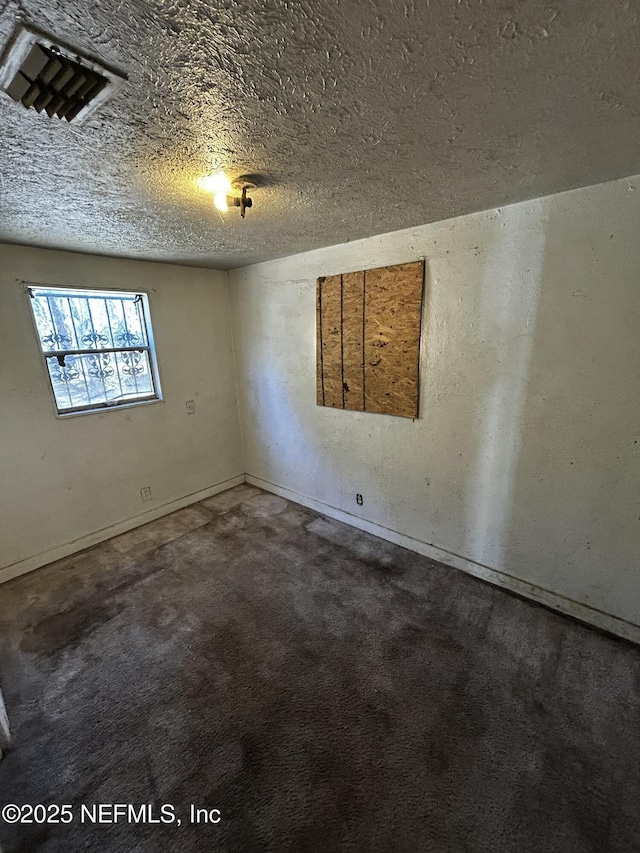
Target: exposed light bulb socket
x=245, y=202
x=223, y=201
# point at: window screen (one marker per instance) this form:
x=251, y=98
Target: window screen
x=97, y=345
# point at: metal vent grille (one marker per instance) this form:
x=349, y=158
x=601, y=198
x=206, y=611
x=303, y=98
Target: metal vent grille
x=51, y=79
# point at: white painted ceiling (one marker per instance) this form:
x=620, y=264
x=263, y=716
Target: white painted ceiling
x=366, y=116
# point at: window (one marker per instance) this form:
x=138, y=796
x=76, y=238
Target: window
x=98, y=347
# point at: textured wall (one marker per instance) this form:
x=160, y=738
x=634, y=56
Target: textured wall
x=526, y=457
x=368, y=117
x=63, y=479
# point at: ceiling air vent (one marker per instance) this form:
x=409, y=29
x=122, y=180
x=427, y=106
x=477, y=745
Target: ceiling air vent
x=52, y=79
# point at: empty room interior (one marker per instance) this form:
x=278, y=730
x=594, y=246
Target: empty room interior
x=319, y=426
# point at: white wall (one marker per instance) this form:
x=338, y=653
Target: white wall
x=62, y=481
x=526, y=455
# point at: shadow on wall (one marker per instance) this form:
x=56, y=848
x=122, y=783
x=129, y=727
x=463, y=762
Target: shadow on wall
x=574, y=493
x=552, y=494
x=282, y=430
x=507, y=307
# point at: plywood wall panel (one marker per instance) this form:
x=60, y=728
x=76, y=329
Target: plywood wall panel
x=353, y=340
x=331, y=332
x=319, y=366
x=369, y=340
x=393, y=307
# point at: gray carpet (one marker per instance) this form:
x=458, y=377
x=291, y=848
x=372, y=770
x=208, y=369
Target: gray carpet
x=323, y=689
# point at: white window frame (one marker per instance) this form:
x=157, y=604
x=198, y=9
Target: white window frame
x=150, y=348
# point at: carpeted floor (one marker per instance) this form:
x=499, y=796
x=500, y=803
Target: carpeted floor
x=323, y=689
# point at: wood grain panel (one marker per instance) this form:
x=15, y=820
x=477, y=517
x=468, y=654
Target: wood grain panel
x=319, y=370
x=393, y=307
x=368, y=340
x=331, y=328
x=353, y=340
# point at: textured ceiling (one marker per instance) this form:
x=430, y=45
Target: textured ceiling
x=365, y=116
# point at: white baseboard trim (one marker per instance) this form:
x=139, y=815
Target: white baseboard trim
x=553, y=600
x=57, y=553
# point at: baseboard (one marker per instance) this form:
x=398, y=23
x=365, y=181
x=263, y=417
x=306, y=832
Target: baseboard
x=598, y=618
x=555, y=601
x=57, y=553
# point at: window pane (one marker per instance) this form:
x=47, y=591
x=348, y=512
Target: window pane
x=54, y=322
x=81, y=325
x=112, y=322
x=68, y=322
x=134, y=332
x=94, y=380
x=92, y=330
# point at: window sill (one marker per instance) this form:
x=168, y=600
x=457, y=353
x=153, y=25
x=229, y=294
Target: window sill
x=101, y=410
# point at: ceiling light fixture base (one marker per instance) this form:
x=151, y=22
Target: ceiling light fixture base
x=243, y=184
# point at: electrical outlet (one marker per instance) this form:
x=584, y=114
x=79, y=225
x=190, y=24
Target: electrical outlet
x=145, y=493
x=190, y=406
x=359, y=500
